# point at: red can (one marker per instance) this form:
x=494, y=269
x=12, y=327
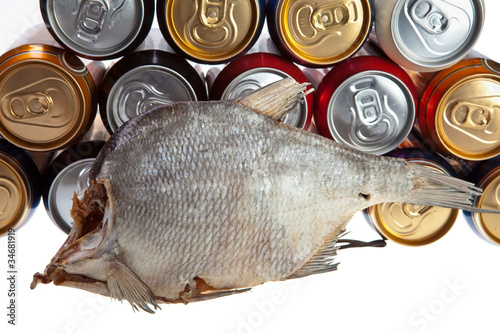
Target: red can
x=368, y=103
x=256, y=70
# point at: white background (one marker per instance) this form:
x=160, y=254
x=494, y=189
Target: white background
x=452, y=285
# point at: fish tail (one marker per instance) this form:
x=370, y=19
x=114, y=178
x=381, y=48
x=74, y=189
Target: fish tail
x=436, y=189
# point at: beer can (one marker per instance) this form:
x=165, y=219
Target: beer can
x=319, y=33
x=98, y=29
x=68, y=174
x=256, y=70
x=47, y=97
x=19, y=186
x=460, y=113
x=143, y=80
x=414, y=224
x=367, y=103
x=486, y=175
x=428, y=35
x=211, y=31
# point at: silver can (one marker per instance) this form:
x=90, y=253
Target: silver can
x=143, y=80
x=98, y=29
x=367, y=103
x=66, y=175
x=428, y=35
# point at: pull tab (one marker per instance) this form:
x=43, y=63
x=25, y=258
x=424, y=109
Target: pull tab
x=470, y=115
x=411, y=218
x=368, y=106
x=30, y=105
x=213, y=13
x=429, y=17
x=331, y=17
x=138, y=97
x=91, y=20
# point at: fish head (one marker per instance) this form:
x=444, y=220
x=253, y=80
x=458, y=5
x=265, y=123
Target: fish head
x=81, y=261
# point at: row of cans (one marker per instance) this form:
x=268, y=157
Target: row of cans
x=421, y=35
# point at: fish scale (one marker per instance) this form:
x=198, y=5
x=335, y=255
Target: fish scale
x=198, y=200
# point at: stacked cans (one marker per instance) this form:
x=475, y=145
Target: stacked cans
x=403, y=83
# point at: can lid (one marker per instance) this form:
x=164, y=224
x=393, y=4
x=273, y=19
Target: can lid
x=98, y=29
x=46, y=98
x=372, y=111
x=323, y=34
x=489, y=224
x=211, y=31
x=72, y=179
x=143, y=88
x=436, y=34
x=412, y=224
x=468, y=117
x=15, y=194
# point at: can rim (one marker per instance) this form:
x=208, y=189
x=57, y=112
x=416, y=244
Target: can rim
x=168, y=30
x=80, y=81
x=419, y=63
x=144, y=26
x=287, y=44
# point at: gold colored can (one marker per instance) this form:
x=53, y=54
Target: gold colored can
x=211, y=31
x=47, y=97
x=487, y=176
x=413, y=224
x=460, y=110
x=19, y=187
x=319, y=33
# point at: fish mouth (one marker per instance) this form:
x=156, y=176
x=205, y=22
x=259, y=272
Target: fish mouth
x=92, y=217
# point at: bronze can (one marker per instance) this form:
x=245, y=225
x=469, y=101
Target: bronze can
x=47, y=97
x=211, y=31
x=19, y=187
x=459, y=110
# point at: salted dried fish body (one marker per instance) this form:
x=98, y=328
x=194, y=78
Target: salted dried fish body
x=198, y=200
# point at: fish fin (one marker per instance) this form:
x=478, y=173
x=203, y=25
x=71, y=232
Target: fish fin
x=436, y=189
x=124, y=284
x=202, y=291
x=323, y=260
x=277, y=99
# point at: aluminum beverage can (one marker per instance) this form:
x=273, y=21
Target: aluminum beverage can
x=67, y=175
x=459, y=110
x=256, y=70
x=143, y=80
x=413, y=224
x=98, y=29
x=486, y=175
x=428, y=35
x=367, y=103
x=319, y=33
x=19, y=186
x=211, y=31
x=47, y=97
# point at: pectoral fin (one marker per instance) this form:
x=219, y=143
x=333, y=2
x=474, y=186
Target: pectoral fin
x=124, y=284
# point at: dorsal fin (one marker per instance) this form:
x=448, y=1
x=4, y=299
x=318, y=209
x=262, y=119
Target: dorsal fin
x=277, y=99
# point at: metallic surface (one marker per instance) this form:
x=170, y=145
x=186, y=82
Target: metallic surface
x=322, y=33
x=212, y=31
x=15, y=193
x=143, y=88
x=257, y=78
x=72, y=179
x=372, y=111
x=460, y=110
x=428, y=35
x=413, y=224
x=46, y=97
x=97, y=28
